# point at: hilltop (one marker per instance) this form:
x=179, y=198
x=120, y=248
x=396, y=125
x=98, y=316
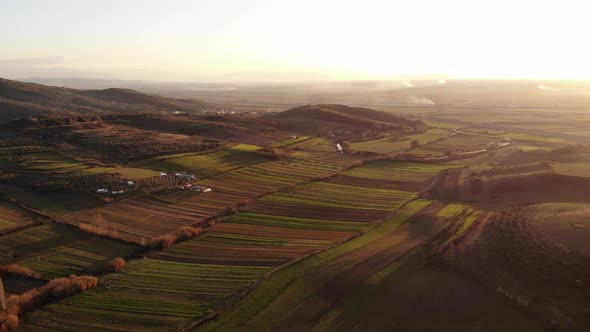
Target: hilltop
x=326, y=118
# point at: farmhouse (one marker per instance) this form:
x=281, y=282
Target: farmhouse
x=117, y=192
x=185, y=186
x=130, y=183
x=339, y=147
x=185, y=176
x=203, y=189
x=102, y=191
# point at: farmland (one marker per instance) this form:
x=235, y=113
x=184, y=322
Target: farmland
x=460, y=142
x=150, y=294
x=12, y=216
x=56, y=250
x=249, y=238
x=153, y=217
x=390, y=145
x=460, y=214
x=206, y=164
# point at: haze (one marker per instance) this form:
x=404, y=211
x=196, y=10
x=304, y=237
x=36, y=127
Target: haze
x=214, y=40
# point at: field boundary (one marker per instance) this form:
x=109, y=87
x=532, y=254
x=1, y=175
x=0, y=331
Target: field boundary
x=248, y=289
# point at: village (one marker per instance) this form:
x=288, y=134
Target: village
x=179, y=182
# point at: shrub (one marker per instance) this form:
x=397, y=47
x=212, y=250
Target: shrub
x=186, y=233
x=358, y=163
x=182, y=234
x=54, y=290
x=18, y=270
x=8, y=322
x=116, y=264
x=92, y=229
x=162, y=241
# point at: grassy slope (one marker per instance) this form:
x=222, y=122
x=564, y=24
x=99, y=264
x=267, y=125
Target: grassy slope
x=256, y=301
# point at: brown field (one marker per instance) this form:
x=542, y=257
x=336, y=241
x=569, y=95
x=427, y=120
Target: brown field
x=13, y=216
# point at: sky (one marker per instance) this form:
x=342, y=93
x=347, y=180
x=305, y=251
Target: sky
x=206, y=40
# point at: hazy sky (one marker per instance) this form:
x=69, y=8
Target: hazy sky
x=368, y=39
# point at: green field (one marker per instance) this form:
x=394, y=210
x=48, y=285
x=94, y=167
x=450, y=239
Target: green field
x=296, y=223
x=207, y=164
x=459, y=142
x=57, y=250
x=263, y=295
x=451, y=210
x=315, y=144
x=291, y=141
x=529, y=137
x=390, y=145
x=342, y=196
x=398, y=171
x=148, y=295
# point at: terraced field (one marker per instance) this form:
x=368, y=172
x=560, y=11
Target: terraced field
x=152, y=217
x=397, y=175
x=460, y=142
x=141, y=219
x=149, y=294
x=207, y=164
x=56, y=250
x=333, y=202
x=291, y=141
x=322, y=292
x=289, y=222
x=315, y=144
x=319, y=157
x=295, y=235
x=390, y=145
x=252, y=245
x=12, y=216
x=242, y=247
x=398, y=171
x=287, y=288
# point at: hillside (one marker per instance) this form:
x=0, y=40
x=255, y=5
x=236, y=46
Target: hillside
x=19, y=99
x=330, y=118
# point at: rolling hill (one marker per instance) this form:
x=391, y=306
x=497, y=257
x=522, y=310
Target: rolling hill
x=19, y=99
x=324, y=118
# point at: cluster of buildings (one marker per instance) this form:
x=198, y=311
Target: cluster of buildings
x=117, y=191
x=190, y=186
x=186, y=183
